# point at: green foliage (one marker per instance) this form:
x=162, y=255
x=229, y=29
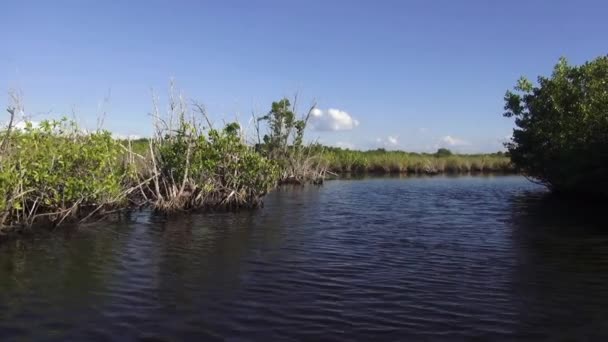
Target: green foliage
x=236, y=166
x=443, y=152
x=54, y=170
x=281, y=122
x=180, y=150
x=562, y=122
x=284, y=144
x=57, y=172
x=193, y=168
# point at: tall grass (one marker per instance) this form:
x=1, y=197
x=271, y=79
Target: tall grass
x=381, y=161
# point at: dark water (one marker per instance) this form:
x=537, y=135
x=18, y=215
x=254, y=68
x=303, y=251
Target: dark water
x=374, y=259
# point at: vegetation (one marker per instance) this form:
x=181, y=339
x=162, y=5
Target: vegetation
x=284, y=143
x=192, y=166
x=382, y=161
x=55, y=171
x=561, y=137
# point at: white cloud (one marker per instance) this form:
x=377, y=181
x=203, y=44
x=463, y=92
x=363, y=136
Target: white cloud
x=346, y=145
x=119, y=136
x=388, y=142
x=453, y=141
x=22, y=124
x=332, y=120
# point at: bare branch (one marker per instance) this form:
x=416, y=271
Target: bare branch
x=103, y=110
x=199, y=108
x=15, y=108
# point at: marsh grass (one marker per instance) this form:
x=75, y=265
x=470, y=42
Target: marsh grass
x=380, y=161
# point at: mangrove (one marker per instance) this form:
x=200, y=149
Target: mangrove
x=57, y=172
x=561, y=139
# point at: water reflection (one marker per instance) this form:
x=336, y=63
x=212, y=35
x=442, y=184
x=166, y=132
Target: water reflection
x=382, y=258
x=562, y=267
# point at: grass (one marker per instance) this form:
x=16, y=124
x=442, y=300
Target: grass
x=381, y=161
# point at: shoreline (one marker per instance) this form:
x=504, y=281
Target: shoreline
x=120, y=214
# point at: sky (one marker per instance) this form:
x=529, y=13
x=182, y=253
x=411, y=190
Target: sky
x=410, y=75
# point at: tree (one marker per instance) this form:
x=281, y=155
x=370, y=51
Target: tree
x=561, y=139
x=284, y=129
x=443, y=152
x=284, y=144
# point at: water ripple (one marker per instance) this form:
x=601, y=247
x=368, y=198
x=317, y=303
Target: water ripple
x=375, y=259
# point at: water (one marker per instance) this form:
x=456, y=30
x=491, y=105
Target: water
x=381, y=259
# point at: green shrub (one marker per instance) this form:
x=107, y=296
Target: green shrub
x=191, y=168
x=232, y=165
x=284, y=144
x=55, y=171
x=443, y=152
x=562, y=122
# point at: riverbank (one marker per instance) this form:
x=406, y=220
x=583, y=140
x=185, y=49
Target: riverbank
x=57, y=173
x=344, y=161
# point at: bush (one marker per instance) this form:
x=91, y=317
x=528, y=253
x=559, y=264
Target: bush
x=55, y=172
x=190, y=167
x=562, y=123
x=284, y=144
x=235, y=169
x=443, y=152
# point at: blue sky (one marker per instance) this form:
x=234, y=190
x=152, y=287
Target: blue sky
x=412, y=75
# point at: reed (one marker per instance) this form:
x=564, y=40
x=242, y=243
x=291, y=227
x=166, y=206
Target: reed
x=381, y=161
